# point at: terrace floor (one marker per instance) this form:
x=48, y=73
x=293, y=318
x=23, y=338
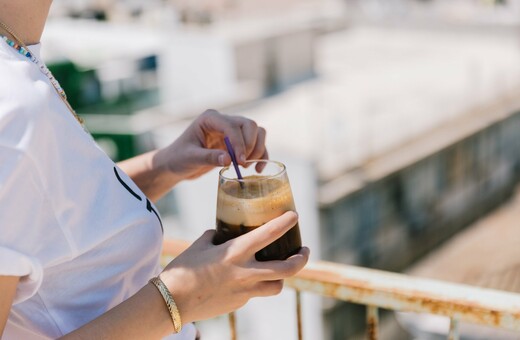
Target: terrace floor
x=486, y=254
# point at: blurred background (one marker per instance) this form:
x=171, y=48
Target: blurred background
x=398, y=121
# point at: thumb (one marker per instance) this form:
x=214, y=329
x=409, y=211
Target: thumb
x=201, y=156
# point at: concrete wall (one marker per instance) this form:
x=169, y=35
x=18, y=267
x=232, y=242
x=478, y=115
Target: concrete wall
x=391, y=222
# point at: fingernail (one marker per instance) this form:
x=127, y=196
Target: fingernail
x=221, y=160
x=242, y=158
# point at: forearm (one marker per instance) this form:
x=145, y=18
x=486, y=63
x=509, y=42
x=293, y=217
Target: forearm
x=151, y=176
x=143, y=316
x=8, y=288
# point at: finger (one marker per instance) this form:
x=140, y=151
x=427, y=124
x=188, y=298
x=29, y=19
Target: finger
x=267, y=288
x=249, y=134
x=236, y=137
x=276, y=270
x=262, y=236
x=214, y=121
x=259, y=146
x=261, y=166
x=265, y=155
x=210, y=157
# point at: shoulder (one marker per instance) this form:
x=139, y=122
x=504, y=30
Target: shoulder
x=22, y=96
x=20, y=77
x=23, y=101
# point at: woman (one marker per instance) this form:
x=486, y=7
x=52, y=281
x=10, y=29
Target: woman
x=79, y=236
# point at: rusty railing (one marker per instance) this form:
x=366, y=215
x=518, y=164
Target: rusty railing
x=379, y=289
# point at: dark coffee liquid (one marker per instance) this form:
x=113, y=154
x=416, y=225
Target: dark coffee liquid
x=289, y=244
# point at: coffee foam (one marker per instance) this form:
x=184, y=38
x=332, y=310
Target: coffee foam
x=254, y=212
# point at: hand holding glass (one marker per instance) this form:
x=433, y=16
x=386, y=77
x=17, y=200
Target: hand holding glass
x=243, y=205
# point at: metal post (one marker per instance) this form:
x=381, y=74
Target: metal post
x=232, y=326
x=299, y=314
x=454, y=329
x=372, y=323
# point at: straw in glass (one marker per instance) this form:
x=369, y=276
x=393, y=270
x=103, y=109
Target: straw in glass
x=234, y=160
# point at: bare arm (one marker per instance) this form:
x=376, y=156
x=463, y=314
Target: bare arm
x=8, y=288
x=198, y=150
x=150, y=174
x=143, y=316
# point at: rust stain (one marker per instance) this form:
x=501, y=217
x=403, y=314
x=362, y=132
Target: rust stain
x=299, y=314
x=442, y=306
x=331, y=282
x=329, y=277
x=371, y=330
x=372, y=323
x=233, y=326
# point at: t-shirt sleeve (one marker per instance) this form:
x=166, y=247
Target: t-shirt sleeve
x=21, y=234
x=14, y=263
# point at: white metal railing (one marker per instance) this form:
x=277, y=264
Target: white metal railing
x=398, y=292
x=380, y=289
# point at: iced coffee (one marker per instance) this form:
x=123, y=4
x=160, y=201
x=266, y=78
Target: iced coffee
x=243, y=205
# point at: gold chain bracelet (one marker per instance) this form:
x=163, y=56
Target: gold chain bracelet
x=170, y=303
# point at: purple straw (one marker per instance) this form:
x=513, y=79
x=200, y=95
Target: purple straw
x=233, y=159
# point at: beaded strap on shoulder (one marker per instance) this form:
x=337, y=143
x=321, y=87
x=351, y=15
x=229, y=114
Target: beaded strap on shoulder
x=19, y=45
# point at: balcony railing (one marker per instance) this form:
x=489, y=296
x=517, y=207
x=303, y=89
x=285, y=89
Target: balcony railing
x=379, y=289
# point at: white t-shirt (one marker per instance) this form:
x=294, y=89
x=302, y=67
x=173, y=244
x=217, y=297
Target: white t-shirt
x=73, y=226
